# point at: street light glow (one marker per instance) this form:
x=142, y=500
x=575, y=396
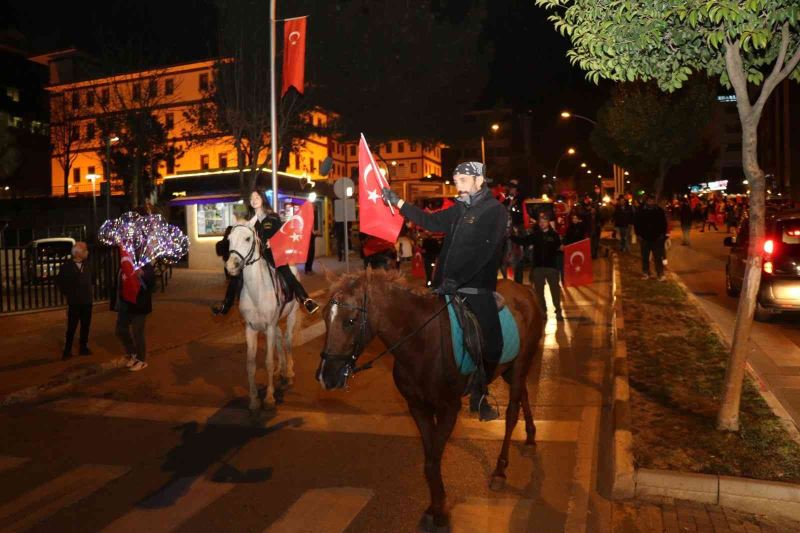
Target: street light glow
x=627, y=173
x=113, y=138
x=93, y=177
x=588, y=171
x=583, y=165
x=566, y=114
x=571, y=151
x=495, y=127
x=312, y=197
x=394, y=163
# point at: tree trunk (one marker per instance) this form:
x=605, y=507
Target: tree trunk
x=135, y=182
x=728, y=416
x=663, y=167
x=66, y=180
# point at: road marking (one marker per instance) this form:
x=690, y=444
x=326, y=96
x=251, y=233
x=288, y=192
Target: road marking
x=323, y=511
x=317, y=421
x=171, y=506
x=310, y=333
x=7, y=462
x=492, y=515
x=63, y=491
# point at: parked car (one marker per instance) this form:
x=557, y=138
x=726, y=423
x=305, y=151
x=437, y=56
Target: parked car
x=779, y=290
x=41, y=259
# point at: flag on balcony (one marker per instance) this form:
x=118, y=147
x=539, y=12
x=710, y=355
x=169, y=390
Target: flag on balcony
x=294, y=54
x=290, y=245
x=375, y=217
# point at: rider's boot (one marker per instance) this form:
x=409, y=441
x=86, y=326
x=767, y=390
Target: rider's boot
x=310, y=305
x=480, y=399
x=234, y=287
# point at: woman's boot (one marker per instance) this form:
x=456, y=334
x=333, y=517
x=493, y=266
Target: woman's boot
x=233, y=290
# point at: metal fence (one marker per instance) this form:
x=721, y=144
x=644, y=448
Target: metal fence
x=28, y=277
x=21, y=236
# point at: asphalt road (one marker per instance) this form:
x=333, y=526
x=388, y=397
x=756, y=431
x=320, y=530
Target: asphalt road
x=172, y=448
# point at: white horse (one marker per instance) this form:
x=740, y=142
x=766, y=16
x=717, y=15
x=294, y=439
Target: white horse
x=262, y=311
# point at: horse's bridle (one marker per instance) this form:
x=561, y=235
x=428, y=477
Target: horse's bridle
x=251, y=257
x=349, y=367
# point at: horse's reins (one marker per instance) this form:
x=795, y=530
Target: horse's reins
x=351, y=368
x=251, y=257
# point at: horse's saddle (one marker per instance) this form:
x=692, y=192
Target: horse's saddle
x=467, y=336
x=283, y=291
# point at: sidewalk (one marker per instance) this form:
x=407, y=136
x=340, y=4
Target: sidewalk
x=31, y=344
x=773, y=355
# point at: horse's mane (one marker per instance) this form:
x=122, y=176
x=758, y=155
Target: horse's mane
x=392, y=277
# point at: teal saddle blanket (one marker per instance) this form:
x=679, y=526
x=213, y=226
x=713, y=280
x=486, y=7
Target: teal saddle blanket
x=464, y=362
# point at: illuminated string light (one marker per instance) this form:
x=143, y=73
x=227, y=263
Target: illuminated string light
x=145, y=238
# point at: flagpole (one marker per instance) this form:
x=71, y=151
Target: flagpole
x=377, y=171
x=273, y=126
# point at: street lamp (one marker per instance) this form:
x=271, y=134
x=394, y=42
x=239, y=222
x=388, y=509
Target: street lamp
x=568, y=115
x=495, y=128
x=93, y=178
x=570, y=151
x=583, y=165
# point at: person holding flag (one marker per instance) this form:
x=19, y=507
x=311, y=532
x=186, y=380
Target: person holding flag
x=474, y=229
x=267, y=223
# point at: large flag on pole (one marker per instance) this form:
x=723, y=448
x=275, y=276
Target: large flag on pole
x=290, y=244
x=578, y=264
x=294, y=54
x=374, y=216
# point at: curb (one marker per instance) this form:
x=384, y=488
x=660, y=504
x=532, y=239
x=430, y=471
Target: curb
x=743, y=494
x=623, y=483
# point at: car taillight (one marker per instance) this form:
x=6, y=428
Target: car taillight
x=768, y=267
x=769, y=246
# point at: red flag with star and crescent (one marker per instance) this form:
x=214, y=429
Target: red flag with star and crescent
x=290, y=244
x=130, y=281
x=374, y=216
x=578, y=264
x=294, y=54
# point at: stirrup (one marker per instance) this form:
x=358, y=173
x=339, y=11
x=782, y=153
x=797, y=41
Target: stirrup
x=311, y=306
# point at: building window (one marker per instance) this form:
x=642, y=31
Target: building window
x=169, y=86
x=204, y=81
x=388, y=148
x=104, y=96
x=297, y=161
x=90, y=133
x=76, y=100
x=223, y=160
x=354, y=172
x=152, y=88
x=352, y=149
x=202, y=118
x=204, y=162
x=412, y=147
x=12, y=93
x=401, y=147
x=90, y=171
x=15, y=122
x=413, y=168
x=169, y=121
x=212, y=219
x=137, y=91
x=76, y=175
x=74, y=133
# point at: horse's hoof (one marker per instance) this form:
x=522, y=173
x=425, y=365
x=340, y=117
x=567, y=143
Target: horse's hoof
x=269, y=404
x=286, y=383
x=497, y=483
x=255, y=405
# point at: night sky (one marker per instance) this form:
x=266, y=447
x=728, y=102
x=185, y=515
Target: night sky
x=525, y=63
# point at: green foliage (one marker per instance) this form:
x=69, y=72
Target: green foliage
x=668, y=40
x=648, y=131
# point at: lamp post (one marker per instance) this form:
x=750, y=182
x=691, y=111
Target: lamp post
x=569, y=114
x=93, y=178
x=495, y=128
x=570, y=151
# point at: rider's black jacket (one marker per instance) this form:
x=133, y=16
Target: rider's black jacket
x=474, y=236
x=265, y=229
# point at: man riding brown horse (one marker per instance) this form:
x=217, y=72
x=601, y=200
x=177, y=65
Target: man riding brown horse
x=474, y=231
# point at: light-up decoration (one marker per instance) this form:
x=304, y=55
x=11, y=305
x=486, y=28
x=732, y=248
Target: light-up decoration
x=145, y=238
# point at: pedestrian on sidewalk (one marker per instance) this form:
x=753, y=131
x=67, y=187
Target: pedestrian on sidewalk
x=546, y=247
x=133, y=303
x=312, y=249
x=686, y=220
x=623, y=218
x=651, y=227
x=75, y=280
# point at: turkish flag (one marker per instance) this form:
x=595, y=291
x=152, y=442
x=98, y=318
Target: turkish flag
x=290, y=244
x=418, y=265
x=130, y=281
x=578, y=264
x=374, y=216
x=294, y=54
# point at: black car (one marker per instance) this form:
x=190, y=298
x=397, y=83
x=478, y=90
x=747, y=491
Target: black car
x=780, y=277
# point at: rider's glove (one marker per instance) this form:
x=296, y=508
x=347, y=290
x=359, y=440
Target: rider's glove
x=390, y=196
x=448, y=286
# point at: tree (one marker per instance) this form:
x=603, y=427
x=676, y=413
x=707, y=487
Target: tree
x=65, y=133
x=741, y=41
x=130, y=114
x=646, y=131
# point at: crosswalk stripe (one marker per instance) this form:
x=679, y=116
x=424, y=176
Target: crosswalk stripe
x=491, y=515
x=63, y=491
x=317, y=421
x=7, y=462
x=323, y=511
x=171, y=507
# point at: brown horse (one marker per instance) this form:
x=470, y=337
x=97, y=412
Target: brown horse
x=416, y=327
